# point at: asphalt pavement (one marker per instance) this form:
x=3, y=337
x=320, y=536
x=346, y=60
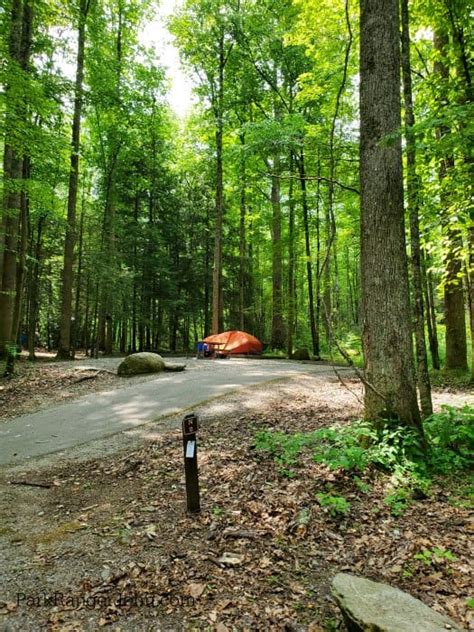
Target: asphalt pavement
x=99, y=415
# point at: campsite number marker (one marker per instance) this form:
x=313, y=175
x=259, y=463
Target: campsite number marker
x=190, y=428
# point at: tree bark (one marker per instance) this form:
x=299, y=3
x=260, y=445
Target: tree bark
x=413, y=192
x=278, y=327
x=430, y=313
x=454, y=310
x=217, y=271
x=75, y=325
x=34, y=291
x=242, y=240
x=470, y=278
x=291, y=262
x=19, y=46
x=64, y=349
x=23, y=237
x=389, y=369
x=309, y=266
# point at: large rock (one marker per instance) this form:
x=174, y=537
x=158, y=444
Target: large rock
x=300, y=354
x=369, y=606
x=139, y=363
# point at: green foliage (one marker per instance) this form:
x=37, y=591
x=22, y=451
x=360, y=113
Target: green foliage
x=395, y=450
x=356, y=446
x=451, y=437
x=361, y=486
x=284, y=448
x=435, y=556
x=398, y=501
x=336, y=505
x=464, y=494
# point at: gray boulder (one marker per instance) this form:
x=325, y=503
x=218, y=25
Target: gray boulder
x=369, y=606
x=300, y=354
x=145, y=362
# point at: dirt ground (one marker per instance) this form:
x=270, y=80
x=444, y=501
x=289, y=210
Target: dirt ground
x=105, y=542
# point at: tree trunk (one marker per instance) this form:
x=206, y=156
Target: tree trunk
x=454, y=310
x=278, y=328
x=309, y=267
x=19, y=46
x=430, y=313
x=217, y=271
x=64, y=349
x=389, y=370
x=207, y=279
x=77, y=302
x=413, y=191
x=291, y=262
x=34, y=291
x=242, y=240
x=470, y=278
x=23, y=237
x=318, y=251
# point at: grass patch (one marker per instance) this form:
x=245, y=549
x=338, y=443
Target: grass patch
x=58, y=533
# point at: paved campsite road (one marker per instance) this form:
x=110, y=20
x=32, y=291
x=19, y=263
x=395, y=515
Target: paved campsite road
x=99, y=415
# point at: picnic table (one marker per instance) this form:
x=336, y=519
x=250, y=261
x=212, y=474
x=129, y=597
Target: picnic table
x=216, y=350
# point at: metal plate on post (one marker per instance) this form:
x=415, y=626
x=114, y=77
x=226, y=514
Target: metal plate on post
x=190, y=424
x=190, y=449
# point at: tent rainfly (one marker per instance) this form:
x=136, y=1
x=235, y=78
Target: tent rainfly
x=235, y=342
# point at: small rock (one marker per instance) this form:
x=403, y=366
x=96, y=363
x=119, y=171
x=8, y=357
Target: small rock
x=231, y=559
x=300, y=354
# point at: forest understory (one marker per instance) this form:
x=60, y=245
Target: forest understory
x=263, y=551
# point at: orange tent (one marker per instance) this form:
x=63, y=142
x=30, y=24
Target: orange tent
x=236, y=342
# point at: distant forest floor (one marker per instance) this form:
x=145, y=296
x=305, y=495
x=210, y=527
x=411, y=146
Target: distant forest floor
x=111, y=539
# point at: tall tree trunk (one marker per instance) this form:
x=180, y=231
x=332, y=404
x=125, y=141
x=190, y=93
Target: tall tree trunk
x=413, y=192
x=217, y=307
x=331, y=302
x=318, y=250
x=291, y=262
x=470, y=278
x=389, y=369
x=64, y=349
x=105, y=330
x=309, y=266
x=23, y=237
x=430, y=313
x=19, y=45
x=34, y=291
x=208, y=279
x=454, y=310
x=278, y=327
x=242, y=239
x=75, y=325
x=86, y=335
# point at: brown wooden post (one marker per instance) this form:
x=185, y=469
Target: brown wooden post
x=190, y=428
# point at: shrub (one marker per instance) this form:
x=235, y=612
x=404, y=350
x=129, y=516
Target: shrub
x=451, y=437
x=336, y=505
